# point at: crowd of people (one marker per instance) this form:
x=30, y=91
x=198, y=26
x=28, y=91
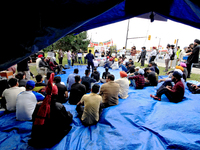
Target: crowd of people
x=42, y=101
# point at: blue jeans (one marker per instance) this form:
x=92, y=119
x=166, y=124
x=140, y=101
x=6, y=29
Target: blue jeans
x=69, y=62
x=80, y=60
x=133, y=83
x=123, y=68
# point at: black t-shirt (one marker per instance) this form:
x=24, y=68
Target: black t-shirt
x=105, y=75
x=23, y=65
x=95, y=75
x=76, y=93
x=61, y=92
x=152, y=79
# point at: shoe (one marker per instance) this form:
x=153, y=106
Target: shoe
x=156, y=98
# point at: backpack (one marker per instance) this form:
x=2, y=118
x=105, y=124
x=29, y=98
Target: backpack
x=172, y=56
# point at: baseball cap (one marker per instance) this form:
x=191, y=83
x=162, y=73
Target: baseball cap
x=30, y=84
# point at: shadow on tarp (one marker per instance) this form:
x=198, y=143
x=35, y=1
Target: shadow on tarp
x=138, y=122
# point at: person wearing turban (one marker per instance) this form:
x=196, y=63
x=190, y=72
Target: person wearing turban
x=174, y=93
x=51, y=121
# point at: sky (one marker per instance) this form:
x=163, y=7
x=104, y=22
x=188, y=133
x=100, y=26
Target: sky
x=165, y=32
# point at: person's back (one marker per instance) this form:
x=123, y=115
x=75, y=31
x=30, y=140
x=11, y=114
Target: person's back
x=86, y=80
x=77, y=91
x=71, y=79
x=26, y=102
x=95, y=75
x=92, y=101
x=11, y=94
x=139, y=81
x=124, y=85
x=62, y=90
x=152, y=79
x=109, y=91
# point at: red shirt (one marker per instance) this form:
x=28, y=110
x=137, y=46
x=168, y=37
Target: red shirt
x=178, y=91
x=139, y=81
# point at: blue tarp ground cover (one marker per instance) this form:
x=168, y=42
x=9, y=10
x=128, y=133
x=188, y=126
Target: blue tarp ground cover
x=138, y=122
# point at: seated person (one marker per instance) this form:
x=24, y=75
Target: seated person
x=51, y=121
x=153, y=67
x=129, y=62
x=174, y=94
x=77, y=91
x=89, y=114
x=138, y=81
x=109, y=63
x=103, y=80
x=86, y=80
x=9, y=96
x=95, y=75
x=43, y=66
x=71, y=79
x=62, y=90
x=124, y=68
x=123, y=85
x=115, y=64
x=26, y=102
x=53, y=66
x=40, y=86
x=151, y=79
x=109, y=91
x=130, y=68
x=136, y=70
x=46, y=79
x=101, y=63
x=195, y=89
x=96, y=64
x=21, y=77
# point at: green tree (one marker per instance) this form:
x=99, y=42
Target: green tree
x=71, y=42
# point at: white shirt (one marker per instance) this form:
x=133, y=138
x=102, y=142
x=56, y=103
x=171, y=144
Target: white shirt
x=26, y=102
x=11, y=96
x=124, y=86
x=69, y=55
x=181, y=55
x=95, y=63
x=167, y=56
x=153, y=53
x=123, y=51
x=115, y=65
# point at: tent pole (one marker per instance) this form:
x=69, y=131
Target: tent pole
x=127, y=34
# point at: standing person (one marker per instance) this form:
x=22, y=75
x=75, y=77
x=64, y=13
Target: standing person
x=69, y=56
x=90, y=58
x=153, y=54
x=23, y=67
x=10, y=95
x=80, y=57
x=178, y=54
x=133, y=53
x=60, y=56
x=181, y=55
x=84, y=54
x=143, y=56
x=172, y=57
x=71, y=79
x=77, y=91
x=103, y=54
x=167, y=57
x=109, y=91
x=89, y=114
x=193, y=56
x=123, y=52
x=73, y=58
x=123, y=85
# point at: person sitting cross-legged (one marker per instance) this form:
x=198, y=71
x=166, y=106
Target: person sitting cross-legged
x=95, y=75
x=151, y=79
x=138, y=81
x=89, y=114
x=77, y=91
x=109, y=91
x=103, y=80
x=9, y=96
x=40, y=86
x=124, y=85
x=51, y=121
x=86, y=80
x=26, y=102
x=195, y=89
x=174, y=94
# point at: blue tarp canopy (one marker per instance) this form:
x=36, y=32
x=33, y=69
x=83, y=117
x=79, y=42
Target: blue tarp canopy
x=29, y=26
x=136, y=123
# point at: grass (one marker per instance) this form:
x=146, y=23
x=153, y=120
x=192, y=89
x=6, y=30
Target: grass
x=193, y=76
